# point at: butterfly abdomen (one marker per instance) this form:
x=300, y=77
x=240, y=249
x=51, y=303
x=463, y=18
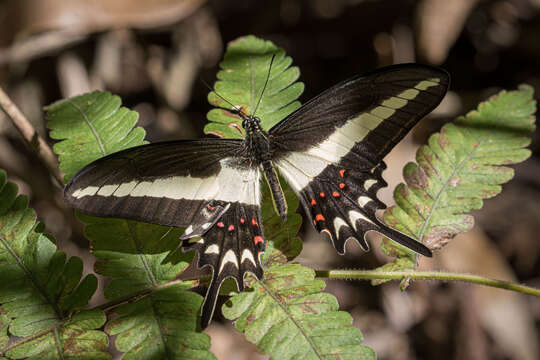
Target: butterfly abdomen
x=278, y=198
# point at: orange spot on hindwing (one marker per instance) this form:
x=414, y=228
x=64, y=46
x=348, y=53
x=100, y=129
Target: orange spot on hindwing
x=258, y=239
x=319, y=217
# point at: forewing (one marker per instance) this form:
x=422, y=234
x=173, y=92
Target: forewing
x=331, y=149
x=204, y=185
x=176, y=183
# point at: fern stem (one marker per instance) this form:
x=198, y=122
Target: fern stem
x=427, y=275
x=29, y=134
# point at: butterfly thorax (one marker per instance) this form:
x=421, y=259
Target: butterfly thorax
x=258, y=152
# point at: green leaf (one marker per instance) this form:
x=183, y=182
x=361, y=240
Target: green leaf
x=78, y=339
x=289, y=317
x=287, y=314
x=279, y=234
x=41, y=289
x=4, y=326
x=161, y=326
x=161, y=320
x=242, y=77
x=459, y=167
x=159, y=317
x=91, y=126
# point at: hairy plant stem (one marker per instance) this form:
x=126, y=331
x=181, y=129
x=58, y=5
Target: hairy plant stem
x=426, y=275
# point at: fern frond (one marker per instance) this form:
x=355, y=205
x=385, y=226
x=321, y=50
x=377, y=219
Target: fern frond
x=241, y=80
x=157, y=317
x=91, y=126
x=459, y=167
x=288, y=316
x=42, y=289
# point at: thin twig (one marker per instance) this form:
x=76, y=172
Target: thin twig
x=35, y=142
x=426, y=275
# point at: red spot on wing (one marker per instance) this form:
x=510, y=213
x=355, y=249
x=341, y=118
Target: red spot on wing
x=211, y=208
x=322, y=194
x=220, y=224
x=242, y=220
x=313, y=202
x=231, y=228
x=258, y=239
x=254, y=222
x=319, y=217
x=342, y=172
x=341, y=185
x=335, y=194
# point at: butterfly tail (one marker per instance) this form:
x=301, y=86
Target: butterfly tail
x=210, y=300
x=403, y=239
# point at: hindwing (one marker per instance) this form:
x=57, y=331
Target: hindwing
x=331, y=149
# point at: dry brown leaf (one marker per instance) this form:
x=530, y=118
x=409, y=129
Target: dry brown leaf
x=96, y=15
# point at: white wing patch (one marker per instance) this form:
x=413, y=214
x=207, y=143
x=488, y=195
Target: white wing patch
x=338, y=223
x=363, y=200
x=107, y=190
x=231, y=184
x=88, y=191
x=229, y=257
x=247, y=255
x=212, y=249
x=355, y=215
x=299, y=168
x=188, y=230
x=123, y=189
x=369, y=183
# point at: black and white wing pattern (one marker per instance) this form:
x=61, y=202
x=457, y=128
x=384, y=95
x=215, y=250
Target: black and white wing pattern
x=331, y=149
x=203, y=185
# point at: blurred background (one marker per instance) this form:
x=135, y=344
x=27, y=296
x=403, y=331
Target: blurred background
x=153, y=54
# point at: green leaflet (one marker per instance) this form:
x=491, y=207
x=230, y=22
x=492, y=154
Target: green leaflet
x=458, y=168
x=160, y=321
x=78, y=338
x=244, y=70
x=41, y=289
x=279, y=234
x=163, y=322
x=288, y=316
x=161, y=326
x=91, y=126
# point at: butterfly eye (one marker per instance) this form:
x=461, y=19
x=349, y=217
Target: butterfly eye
x=257, y=120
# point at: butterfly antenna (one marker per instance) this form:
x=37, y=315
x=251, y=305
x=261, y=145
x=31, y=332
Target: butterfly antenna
x=234, y=107
x=265, y=83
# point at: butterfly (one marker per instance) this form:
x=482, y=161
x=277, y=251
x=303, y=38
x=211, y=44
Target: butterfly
x=330, y=151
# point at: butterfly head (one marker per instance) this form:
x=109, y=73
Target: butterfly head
x=251, y=123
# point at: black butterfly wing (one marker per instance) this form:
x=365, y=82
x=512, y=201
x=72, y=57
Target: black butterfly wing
x=201, y=184
x=331, y=149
